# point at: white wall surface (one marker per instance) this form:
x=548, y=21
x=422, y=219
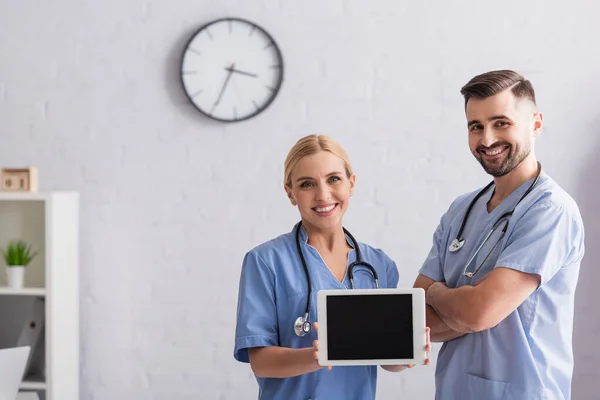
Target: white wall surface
x=89, y=93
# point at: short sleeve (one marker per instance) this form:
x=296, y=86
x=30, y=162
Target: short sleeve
x=392, y=274
x=546, y=238
x=256, y=324
x=432, y=266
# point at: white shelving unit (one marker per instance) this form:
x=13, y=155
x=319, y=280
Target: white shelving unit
x=50, y=223
x=39, y=292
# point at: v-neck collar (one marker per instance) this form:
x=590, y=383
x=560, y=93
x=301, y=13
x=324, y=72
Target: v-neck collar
x=304, y=239
x=510, y=199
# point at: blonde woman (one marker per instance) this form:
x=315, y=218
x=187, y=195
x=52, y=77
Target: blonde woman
x=281, y=348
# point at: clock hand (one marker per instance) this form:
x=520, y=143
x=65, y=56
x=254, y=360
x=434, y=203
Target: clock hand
x=223, y=88
x=231, y=69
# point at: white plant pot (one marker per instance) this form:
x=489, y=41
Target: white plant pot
x=15, y=276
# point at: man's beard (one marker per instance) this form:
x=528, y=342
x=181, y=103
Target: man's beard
x=510, y=162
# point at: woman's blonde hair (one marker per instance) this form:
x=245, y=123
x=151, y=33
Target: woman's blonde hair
x=310, y=145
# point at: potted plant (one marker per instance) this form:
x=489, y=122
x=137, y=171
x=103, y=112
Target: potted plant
x=17, y=256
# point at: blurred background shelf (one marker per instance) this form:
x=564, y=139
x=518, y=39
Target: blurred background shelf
x=33, y=383
x=28, y=291
x=45, y=312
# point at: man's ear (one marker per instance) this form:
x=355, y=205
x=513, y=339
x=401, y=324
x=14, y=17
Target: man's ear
x=290, y=195
x=538, y=123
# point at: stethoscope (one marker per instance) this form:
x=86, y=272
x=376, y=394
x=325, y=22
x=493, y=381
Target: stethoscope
x=459, y=241
x=302, y=325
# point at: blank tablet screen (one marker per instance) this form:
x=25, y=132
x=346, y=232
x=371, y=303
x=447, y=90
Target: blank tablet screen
x=369, y=327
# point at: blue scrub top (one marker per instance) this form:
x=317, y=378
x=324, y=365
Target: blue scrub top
x=529, y=354
x=272, y=294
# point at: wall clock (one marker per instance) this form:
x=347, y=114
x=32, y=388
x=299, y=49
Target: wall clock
x=231, y=69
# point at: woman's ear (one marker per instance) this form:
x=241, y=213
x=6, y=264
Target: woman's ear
x=352, y=183
x=290, y=195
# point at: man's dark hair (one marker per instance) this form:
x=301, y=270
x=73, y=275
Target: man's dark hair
x=493, y=82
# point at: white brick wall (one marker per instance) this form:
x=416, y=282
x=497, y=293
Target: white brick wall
x=89, y=93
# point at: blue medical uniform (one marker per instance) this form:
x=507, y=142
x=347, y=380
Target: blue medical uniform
x=273, y=293
x=529, y=354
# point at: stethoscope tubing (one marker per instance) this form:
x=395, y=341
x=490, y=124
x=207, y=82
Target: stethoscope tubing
x=459, y=241
x=302, y=325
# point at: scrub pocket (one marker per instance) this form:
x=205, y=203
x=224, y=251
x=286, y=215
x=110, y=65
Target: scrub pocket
x=475, y=388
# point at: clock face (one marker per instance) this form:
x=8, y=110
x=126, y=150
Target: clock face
x=231, y=69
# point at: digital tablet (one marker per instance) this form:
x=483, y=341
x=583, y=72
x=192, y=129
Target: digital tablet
x=371, y=326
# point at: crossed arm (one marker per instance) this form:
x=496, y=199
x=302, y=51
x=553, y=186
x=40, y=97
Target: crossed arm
x=440, y=331
x=452, y=313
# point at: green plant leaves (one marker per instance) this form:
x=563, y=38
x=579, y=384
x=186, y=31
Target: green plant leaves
x=18, y=253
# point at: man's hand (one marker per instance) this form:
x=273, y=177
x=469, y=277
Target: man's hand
x=432, y=291
x=435, y=295
x=440, y=330
x=477, y=308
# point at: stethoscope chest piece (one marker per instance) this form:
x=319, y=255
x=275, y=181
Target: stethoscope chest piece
x=456, y=245
x=302, y=326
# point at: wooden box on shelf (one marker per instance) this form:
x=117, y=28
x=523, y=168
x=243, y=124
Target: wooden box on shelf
x=19, y=179
x=45, y=312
